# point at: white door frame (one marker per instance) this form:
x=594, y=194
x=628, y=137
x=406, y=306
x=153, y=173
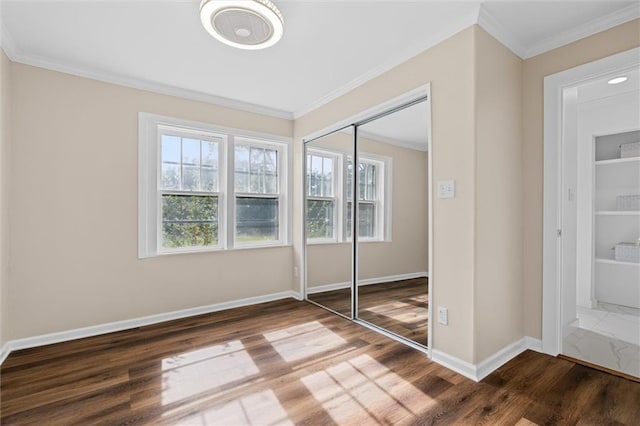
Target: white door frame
x=552, y=206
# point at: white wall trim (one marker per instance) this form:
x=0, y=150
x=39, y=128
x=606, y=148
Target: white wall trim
x=477, y=372
x=96, y=330
x=533, y=344
x=140, y=84
x=587, y=29
x=465, y=368
x=500, y=33
x=367, y=281
x=498, y=359
x=552, y=245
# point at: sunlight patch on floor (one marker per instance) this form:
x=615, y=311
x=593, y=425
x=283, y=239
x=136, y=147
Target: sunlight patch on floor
x=301, y=341
x=206, y=369
x=261, y=408
x=362, y=390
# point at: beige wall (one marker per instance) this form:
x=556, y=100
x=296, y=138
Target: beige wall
x=606, y=43
x=498, y=244
x=5, y=151
x=74, y=201
x=449, y=67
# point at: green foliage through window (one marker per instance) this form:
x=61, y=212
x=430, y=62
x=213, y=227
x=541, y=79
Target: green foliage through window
x=189, y=220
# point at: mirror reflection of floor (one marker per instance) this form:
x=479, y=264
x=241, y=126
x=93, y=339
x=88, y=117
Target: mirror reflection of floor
x=400, y=306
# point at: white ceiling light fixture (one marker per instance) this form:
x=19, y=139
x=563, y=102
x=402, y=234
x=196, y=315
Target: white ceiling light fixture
x=245, y=24
x=618, y=80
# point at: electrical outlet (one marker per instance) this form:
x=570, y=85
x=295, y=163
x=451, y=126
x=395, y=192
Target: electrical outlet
x=443, y=315
x=295, y=271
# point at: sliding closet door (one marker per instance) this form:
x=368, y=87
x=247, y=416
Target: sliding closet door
x=392, y=222
x=329, y=251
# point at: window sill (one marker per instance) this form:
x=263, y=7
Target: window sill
x=213, y=250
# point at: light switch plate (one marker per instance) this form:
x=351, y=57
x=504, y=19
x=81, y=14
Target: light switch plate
x=446, y=189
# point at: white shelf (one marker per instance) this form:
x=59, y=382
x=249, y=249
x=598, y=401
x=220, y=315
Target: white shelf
x=618, y=213
x=618, y=161
x=615, y=262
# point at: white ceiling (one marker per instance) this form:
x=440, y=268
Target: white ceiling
x=328, y=48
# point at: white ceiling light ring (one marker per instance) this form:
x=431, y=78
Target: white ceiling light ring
x=244, y=24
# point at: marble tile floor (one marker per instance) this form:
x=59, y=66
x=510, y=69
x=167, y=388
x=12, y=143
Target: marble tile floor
x=608, y=335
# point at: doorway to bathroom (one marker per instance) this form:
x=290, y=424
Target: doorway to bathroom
x=591, y=289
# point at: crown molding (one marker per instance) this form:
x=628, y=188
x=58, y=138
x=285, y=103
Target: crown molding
x=500, y=33
x=587, y=29
x=403, y=56
x=140, y=84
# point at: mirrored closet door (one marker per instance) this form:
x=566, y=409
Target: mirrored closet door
x=393, y=222
x=329, y=251
x=366, y=220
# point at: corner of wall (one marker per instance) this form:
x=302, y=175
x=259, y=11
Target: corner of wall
x=5, y=149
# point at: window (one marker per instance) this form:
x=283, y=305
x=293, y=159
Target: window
x=329, y=214
x=321, y=199
x=188, y=201
x=188, y=189
x=257, y=191
x=370, y=197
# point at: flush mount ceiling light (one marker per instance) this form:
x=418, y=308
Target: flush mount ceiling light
x=617, y=80
x=245, y=24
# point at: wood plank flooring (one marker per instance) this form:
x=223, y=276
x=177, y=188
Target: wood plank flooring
x=400, y=307
x=290, y=362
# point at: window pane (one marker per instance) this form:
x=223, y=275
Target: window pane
x=256, y=181
x=241, y=168
x=170, y=149
x=190, y=178
x=256, y=219
x=349, y=180
x=190, y=151
x=367, y=220
x=316, y=176
x=170, y=155
x=271, y=171
x=189, y=221
x=209, y=178
x=320, y=215
x=362, y=179
x=327, y=177
x=210, y=154
x=170, y=176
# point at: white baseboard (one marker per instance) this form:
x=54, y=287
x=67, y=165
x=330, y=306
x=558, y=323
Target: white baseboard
x=79, y=333
x=468, y=370
x=477, y=372
x=4, y=352
x=533, y=344
x=367, y=281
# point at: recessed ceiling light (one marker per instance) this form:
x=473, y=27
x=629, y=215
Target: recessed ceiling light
x=245, y=24
x=617, y=80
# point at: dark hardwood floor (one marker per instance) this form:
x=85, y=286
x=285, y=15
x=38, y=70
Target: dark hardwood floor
x=290, y=362
x=400, y=306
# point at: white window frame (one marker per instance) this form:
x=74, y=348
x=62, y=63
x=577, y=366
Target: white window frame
x=382, y=196
x=281, y=196
x=338, y=191
x=149, y=201
x=382, y=202
x=221, y=139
